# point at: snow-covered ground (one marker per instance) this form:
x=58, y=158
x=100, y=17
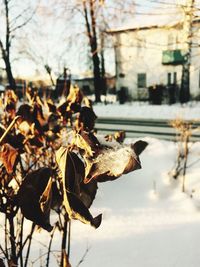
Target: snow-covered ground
x=144, y=110
x=147, y=220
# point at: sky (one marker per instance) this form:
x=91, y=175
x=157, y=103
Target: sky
x=57, y=37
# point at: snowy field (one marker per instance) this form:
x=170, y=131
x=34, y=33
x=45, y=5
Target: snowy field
x=144, y=110
x=147, y=220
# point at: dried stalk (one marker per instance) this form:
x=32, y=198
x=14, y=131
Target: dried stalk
x=49, y=248
x=9, y=128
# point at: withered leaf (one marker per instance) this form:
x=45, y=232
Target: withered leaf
x=75, y=95
x=118, y=136
x=78, y=211
x=57, y=197
x=75, y=208
x=46, y=197
x=87, y=118
x=35, y=196
x=72, y=169
x=26, y=113
x=8, y=156
x=38, y=115
x=87, y=143
x=88, y=192
x=139, y=147
x=53, y=122
x=111, y=163
x=51, y=106
x=83, y=145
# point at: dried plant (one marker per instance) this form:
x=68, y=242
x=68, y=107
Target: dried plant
x=184, y=131
x=53, y=160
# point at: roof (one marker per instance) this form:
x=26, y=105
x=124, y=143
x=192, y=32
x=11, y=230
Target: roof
x=172, y=24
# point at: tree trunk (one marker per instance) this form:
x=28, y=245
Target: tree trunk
x=97, y=77
x=187, y=34
x=185, y=84
x=11, y=80
x=91, y=31
x=5, y=50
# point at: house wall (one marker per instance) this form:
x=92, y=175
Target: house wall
x=140, y=51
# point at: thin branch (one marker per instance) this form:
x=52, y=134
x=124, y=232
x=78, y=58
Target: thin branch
x=4, y=253
x=12, y=239
x=25, y=22
x=9, y=128
x=83, y=257
x=29, y=244
x=6, y=240
x=21, y=241
x=69, y=239
x=64, y=240
x=49, y=248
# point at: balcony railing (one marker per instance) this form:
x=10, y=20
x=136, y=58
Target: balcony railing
x=173, y=57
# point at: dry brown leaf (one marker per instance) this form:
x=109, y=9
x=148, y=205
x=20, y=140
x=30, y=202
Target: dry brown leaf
x=72, y=169
x=118, y=136
x=83, y=145
x=35, y=196
x=78, y=211
x=24, y=128
x=46, y=198
x=71, y=201
x=8, y=156
x=88, y=192
x=111, y=163
x=75, y=95
x=87, y=118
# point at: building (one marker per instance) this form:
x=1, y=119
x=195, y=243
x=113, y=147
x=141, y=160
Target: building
x=85, y=83
x=154, y=55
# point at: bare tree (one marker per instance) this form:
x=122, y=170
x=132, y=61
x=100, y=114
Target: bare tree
x=12, y=22
x=90, y=20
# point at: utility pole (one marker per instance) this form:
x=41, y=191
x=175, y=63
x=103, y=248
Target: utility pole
x=187, y=40
x=103, y=71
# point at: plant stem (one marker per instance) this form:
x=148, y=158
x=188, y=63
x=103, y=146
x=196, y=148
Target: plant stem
x=29, y=244
x=12, y=239
x=49, y=248
x=186, y=150
x=64, y=240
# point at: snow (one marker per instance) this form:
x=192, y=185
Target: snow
x=147, y=111
x=147, y=220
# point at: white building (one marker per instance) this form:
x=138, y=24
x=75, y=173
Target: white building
x=152, y=55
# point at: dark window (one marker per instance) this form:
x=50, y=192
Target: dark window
x=199, y=79
x=169, y=78
x=175, y=77
x=142, y=80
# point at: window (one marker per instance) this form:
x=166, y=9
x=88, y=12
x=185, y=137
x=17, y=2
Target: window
x=199, y=78
x=141, y=80
x=169, y=78
x=175, y=77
